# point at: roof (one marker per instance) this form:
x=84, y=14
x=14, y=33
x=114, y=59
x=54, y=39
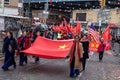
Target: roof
x=112, y=25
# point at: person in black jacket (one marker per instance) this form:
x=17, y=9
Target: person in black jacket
x=85, y=44
x=38, y=33
x=9, y=47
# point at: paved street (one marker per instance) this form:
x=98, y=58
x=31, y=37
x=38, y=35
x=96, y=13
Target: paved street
x=109, y=69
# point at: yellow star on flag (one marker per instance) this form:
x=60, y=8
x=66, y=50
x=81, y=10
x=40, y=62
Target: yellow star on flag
x=92, y=45
x=62, y=47
x=97, y=45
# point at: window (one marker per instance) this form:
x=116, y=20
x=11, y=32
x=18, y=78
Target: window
x=6, y=2
x=81, y=16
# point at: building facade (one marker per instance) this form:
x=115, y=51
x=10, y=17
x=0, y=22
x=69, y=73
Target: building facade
x=108, y=16
x=10, y=7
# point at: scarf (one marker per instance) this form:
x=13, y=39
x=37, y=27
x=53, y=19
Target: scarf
x=73, y=50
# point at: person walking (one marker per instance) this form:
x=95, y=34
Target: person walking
x=76, y=55
x=101, y=49
x=85, y=44
x=23, y=43
x=9, y=47
x=38, y=33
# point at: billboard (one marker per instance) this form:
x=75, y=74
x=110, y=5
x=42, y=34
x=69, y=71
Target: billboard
x=1, y=6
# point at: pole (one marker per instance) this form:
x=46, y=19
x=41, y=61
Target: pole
x=29, y=13
x=101, y=19
x=29, y=8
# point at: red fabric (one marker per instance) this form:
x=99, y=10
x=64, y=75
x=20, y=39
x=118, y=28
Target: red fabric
x=101, y=47
x=19, y=41
x=78, y=28
x=68, y=29
x=93, y=46
x=106, y=37
x=45, y=48
x=50, y=2
x=79, y=54
x=26, y=43
x=56, y=29
x=65, y=22
x=73, y=51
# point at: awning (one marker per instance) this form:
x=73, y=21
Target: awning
x=112, y=25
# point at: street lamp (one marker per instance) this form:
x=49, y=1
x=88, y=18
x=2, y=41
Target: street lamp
x=45, y=12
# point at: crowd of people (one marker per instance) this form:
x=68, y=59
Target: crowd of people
x=78, y=53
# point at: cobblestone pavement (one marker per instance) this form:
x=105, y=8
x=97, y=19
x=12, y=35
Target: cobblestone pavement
x=109, y=69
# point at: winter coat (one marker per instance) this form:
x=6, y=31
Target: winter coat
x=78, y=63
x=12, y=44
x=85, y=45
x=26, y=44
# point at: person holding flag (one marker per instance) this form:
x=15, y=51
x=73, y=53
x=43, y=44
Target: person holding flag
x=23, y=43
x=76, y=55
x=38, y=33
x=101, y=49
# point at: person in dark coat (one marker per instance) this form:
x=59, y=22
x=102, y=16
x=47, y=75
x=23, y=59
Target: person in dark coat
x=9, y=47
x=76, y=55
x=23, y=43
x=38, y=33
x=85, y=44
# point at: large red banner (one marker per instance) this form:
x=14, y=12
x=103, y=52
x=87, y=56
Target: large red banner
x=50, y=49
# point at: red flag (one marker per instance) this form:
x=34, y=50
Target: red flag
x=78, y=28
x=65, y=22
x=106, y=37
x=50, y=2
x=56, y=28
x=45, y=48
x=70, y=30
x=93, y=46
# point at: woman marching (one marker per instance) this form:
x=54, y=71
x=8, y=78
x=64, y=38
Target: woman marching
x=76, y=55
x=9, y=47
x=101, y=49
x=23, y=43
